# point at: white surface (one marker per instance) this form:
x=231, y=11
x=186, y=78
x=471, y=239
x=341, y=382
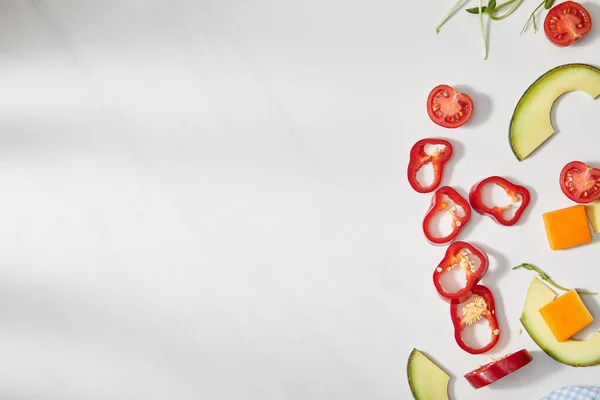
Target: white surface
x=207, y=199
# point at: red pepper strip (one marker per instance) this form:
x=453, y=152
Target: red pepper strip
x=457, y=256
x=439, y=204
x=479, y=304
x=497, y=213
x=498, y=369
x=418, y=159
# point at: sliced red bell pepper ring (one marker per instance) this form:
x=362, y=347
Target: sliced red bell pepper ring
x=419, y=158
x=497, y=213
x=498, y=369
x=457, y=255
x=439, y=203
x=479, y=304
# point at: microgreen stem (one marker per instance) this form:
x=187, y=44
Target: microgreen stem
x=509, y=12
x=450, y=13
x=546, y=277
x=485, y=54
x=506, y=4
x=532, y=18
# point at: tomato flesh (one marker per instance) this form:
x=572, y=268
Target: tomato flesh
x=566, y=23
x=448, y=107
x=580, y=183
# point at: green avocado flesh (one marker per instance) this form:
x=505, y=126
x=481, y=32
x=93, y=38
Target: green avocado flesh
x=577, y=353
x=427, y=381
x=530, y=125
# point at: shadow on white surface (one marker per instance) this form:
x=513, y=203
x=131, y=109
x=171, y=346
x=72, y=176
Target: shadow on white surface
x=498, y=266
x=557, y=122
x=482, y=106
x=540, y=367
x=591, y=303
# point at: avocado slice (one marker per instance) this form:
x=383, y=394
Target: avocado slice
x=530, y=125
x=577, y=353
x=427, y=381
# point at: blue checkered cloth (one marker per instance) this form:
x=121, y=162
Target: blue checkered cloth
x=574, y=393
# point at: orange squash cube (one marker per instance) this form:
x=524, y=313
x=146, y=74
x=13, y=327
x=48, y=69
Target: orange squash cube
x=567, y=227
x=566, y=315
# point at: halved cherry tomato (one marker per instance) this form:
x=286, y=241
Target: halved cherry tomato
x=448, y=107
x=580, y=183
x=566, y=23
x=498, y=369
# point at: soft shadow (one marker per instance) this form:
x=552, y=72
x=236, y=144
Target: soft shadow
x=505, y=331
x=592, y=36
x=591, y=303
x=595, y=236
x=592, y=164
x=540, y=367
x=553, y=116
x=498, y=266
x=452, y=381
x=475, y=219
x=498, y=263
x=458, y=152
x=482, y=105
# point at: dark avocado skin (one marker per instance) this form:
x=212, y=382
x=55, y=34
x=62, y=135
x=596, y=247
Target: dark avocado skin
x=524, y=96
x=410, y=383
x=552, y=355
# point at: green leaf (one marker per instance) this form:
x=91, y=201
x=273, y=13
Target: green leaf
x=548, y=4
x=475, y=10
x=491, y=6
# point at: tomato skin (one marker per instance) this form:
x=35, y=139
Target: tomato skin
x=580, y=183
x=566, y=23
x=448, y=107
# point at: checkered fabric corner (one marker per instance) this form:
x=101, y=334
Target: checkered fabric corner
x=574, y=393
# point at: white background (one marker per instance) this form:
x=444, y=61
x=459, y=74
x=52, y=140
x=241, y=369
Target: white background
x=207, y=199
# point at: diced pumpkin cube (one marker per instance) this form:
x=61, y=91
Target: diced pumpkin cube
x=566, y=315
x=593, y=213
x=567, y=227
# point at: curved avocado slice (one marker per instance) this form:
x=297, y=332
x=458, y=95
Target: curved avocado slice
x=530, y=125
x=427, y=381
x=577, y=353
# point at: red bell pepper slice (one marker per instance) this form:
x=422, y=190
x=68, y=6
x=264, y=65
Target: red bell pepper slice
x=497, y=213
x=479, y=304
x=498, y=369
x=457, y=256
x=439, y=203
x=419, y=158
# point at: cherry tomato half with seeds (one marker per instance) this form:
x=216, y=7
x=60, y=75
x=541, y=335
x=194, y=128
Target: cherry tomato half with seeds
x=580, y=183
x=448, y=107
x=566, y=23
